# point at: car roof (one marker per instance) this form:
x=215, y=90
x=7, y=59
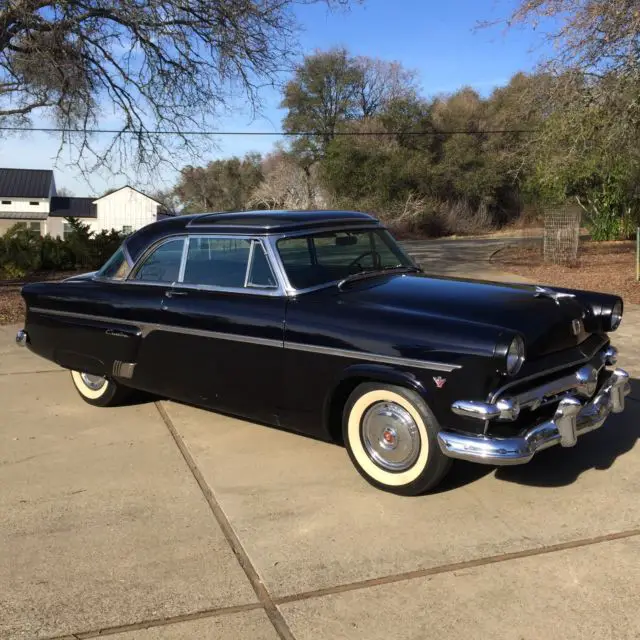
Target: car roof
x=278, y=221
x=246, y=223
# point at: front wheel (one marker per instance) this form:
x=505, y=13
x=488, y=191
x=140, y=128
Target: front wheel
x=98, y=390
x=391, y=437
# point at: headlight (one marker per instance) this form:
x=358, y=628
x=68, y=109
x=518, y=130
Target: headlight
x=515, y=356
x=616, y=316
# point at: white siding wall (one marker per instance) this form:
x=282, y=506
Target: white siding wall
x=54, y=227
x=124, y=208
x=22, y=204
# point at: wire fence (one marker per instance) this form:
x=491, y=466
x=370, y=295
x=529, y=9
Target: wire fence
x=561, y=235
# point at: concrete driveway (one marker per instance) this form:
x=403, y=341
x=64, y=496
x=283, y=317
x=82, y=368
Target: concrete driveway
x=162, y=521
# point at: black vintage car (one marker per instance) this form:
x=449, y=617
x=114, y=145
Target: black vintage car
x=320, y=323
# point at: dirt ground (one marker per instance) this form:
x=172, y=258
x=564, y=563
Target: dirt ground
x=11, y=305
x=602, y=266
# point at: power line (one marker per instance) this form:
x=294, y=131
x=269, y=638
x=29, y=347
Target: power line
x=309, y=134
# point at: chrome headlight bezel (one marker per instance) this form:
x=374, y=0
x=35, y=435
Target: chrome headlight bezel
x=515, y=356
x=615, y=317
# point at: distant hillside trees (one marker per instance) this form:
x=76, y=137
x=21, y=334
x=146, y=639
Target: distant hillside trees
x=362, y=136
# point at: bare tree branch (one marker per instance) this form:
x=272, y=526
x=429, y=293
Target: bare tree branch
x=150, y=64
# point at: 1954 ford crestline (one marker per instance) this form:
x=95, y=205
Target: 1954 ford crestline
x=319, y=322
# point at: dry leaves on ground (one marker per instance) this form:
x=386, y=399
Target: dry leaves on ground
x=11, y=305
x=609, y=267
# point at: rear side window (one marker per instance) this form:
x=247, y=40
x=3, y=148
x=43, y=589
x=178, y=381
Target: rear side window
x=217, y=262
x=162, y=264
x=116, y=267
x=229, y=263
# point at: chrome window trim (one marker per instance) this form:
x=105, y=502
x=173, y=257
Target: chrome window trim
x=251, y=290
x=252, y=245
x=267, y=287
x=147, y=327
x=273, y=257
x=272, y=241
x=268, y=242
x=278, y=290
x=183, y=258
x=152, y=249
x=127, y=255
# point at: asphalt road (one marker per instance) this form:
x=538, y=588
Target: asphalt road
x=468, y=257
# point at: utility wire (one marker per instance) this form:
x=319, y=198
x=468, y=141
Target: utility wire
x=268, y=133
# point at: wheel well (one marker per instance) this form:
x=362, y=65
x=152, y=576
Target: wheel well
x=336, y=405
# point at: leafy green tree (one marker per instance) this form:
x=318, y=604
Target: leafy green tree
x=332, y=88
x=80, y=242
x=586, y=148
x=322, y=95
x=223, y=185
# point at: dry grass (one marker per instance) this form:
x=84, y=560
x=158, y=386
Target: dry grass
x=602, y=266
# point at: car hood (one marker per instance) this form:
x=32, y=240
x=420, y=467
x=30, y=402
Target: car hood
x=545, y=323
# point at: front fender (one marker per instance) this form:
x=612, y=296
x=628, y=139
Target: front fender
x=356, y=374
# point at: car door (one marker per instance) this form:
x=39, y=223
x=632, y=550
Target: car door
x=91, y=323
x=219, y=340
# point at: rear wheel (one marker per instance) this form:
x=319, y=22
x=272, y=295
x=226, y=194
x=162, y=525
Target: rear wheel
x=98, y=390
x=391, y=437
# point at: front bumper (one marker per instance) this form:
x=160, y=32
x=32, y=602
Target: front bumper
x=572, y=418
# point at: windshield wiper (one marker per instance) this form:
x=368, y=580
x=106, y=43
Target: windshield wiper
x=383, y=271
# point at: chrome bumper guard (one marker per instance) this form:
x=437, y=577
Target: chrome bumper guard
x=572, y=418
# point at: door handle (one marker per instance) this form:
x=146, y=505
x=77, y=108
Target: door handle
x=117, y=334
x=171, y=294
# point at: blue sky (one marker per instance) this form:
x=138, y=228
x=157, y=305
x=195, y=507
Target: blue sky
x=437, y=38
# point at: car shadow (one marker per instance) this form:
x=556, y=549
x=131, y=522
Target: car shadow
x=557, y=467
x=554, y=467
x=139, y=397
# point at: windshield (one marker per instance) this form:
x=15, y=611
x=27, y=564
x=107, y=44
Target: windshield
x=322, y=258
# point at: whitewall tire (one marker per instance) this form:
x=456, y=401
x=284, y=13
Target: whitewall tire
x=391, y=437
x=99, y=391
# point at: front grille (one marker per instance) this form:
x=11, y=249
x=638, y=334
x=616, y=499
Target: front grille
x=544, y=409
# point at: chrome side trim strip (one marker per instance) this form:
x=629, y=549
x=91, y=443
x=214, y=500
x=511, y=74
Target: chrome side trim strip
x=373, y=357
x=148, y=327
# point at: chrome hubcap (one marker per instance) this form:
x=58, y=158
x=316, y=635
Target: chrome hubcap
x=390, y=436
x=93, y=382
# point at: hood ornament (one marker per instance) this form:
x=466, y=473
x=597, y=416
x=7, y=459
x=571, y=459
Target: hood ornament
x=556, y=296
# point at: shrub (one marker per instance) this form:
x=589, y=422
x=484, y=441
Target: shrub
x=20, y=251
x=56, y=254
x=23, y=251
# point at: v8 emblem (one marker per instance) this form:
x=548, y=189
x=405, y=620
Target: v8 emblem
x=439, y=381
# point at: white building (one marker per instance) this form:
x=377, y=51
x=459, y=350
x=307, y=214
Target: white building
x=29, y=195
